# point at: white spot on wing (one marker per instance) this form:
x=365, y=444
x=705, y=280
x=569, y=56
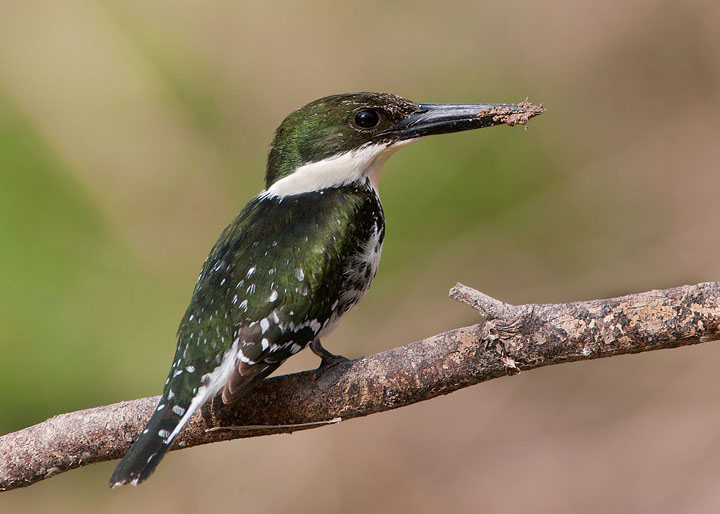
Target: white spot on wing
x=245, y=359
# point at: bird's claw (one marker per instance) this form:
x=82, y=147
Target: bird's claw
x=328, y=359
x=331, y=360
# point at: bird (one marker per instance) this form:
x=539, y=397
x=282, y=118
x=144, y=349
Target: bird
x=297, y=257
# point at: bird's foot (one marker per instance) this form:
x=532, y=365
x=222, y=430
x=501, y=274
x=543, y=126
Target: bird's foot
x=328, y=359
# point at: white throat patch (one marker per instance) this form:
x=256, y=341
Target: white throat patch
x=336, y=171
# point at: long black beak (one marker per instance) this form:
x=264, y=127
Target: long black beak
x=431, y=119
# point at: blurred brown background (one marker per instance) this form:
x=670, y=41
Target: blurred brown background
x=131, y=133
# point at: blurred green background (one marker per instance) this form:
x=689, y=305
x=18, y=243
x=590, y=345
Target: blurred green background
x=132, y=132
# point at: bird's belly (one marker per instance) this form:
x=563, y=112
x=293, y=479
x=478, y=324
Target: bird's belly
x=358, y=274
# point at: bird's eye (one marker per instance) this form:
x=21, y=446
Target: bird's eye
x=367, y=118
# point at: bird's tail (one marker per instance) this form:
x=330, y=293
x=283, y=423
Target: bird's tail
x=153, y=443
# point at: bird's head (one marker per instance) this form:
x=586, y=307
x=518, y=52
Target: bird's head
x=344, y=138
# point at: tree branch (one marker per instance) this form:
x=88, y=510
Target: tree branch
x=509, y=340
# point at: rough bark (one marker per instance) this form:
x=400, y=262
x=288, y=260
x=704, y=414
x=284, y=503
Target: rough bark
x=510, y=339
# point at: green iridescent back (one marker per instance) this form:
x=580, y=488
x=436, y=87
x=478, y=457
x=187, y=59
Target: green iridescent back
x=273, y=280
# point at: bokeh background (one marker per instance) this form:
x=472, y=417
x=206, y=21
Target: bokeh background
x=131, y=133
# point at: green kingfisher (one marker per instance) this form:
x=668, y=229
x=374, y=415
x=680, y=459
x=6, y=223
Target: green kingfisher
x=297, y=258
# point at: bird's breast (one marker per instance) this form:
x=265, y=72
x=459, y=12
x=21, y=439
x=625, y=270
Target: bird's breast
x=358, y=273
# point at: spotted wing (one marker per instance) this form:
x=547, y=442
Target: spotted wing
x=272, y=282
